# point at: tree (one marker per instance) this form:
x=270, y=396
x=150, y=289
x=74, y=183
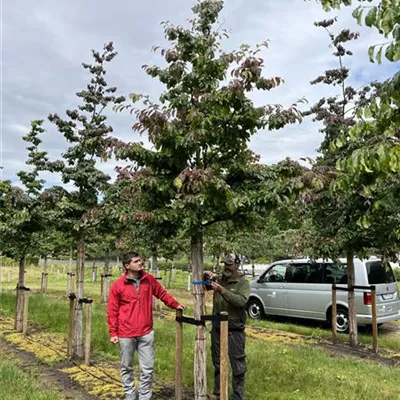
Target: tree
x=200, y=170
x=384, y=16
x=24, y=217
x=87, y=132
x=343, y=206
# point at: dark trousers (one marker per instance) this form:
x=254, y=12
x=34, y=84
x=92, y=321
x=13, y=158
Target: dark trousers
x=237, y=358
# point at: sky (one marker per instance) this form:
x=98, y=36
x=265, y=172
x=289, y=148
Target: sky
x=44, y=43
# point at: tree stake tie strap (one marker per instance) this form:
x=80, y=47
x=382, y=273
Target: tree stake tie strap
x=203, y=318
x=200, y=282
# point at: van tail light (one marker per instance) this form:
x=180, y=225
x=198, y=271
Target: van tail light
x=367, y=298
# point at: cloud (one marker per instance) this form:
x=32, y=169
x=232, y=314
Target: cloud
x=44, y=44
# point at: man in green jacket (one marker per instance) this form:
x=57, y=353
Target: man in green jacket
x=231, y=292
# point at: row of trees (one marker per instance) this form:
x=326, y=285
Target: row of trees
x=199, y=186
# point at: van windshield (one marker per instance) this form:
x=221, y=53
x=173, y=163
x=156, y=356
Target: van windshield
x=379, y=272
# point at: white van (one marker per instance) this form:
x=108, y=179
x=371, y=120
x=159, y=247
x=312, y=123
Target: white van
x=303, y=289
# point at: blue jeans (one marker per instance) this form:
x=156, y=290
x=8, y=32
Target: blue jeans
x=145, y=348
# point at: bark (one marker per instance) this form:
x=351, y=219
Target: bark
x=200, y=377
x=80, y=277
x=351, y=298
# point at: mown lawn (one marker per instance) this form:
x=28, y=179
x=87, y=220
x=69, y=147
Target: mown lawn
x=276, y=370
x=17, y=385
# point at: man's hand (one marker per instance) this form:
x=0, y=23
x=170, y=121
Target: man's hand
x=217, y=287
x=210, y=274
x=181, y=307
x=114, y=339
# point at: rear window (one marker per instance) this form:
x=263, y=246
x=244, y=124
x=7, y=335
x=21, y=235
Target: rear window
x=379, y=272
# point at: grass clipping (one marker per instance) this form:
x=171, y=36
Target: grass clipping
x=101, y=380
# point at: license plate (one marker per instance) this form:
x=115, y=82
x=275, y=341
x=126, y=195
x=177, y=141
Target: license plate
x=388, y=296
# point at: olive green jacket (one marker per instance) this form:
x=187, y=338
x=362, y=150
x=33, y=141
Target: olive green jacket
x=233, y=301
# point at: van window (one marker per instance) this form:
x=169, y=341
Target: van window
x=335, y=273
x=304, y=273
x=276, y=274
x=379, y=272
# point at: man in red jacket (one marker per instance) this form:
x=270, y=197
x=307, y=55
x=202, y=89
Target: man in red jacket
x=130, y=322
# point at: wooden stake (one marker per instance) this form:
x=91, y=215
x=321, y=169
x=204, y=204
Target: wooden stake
x=178, y=357
x=374, y=321
x=224, y=359
x=71, y=324
x=88, y=330
x=25, y=313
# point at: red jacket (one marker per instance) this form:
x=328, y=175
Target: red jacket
x=131, y=314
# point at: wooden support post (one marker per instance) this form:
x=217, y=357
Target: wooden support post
x=178, y=357
x=70, y=283
x=224, y=359
x=71, y=324
x=334, y=315
x=189, y=283
x=253, y=270
x=374, y=321
x=19, y=308
x=25, y=312
x=102, y=279
x=169, y=278
x=88, y=338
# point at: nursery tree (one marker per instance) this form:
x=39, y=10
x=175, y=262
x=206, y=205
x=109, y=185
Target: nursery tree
x=200, y=169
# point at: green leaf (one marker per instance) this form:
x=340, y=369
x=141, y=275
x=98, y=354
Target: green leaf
x=370, y=19
x=178, y=183
x=371, y=51
x=357, y=14
x=379, y=55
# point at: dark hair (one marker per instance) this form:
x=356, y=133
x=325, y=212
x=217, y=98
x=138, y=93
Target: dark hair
x=127, y=258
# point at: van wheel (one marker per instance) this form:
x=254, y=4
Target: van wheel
x=342, y=320
x=254, y=309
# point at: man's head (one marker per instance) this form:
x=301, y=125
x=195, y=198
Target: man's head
x=231, y=265
x=132, y=262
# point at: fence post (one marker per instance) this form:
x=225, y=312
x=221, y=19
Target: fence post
x=88, y=330
x=224, y=358
x=334, y=315
x=71, y=324
x=25, y=312
x=178, y=356
x=374, y=321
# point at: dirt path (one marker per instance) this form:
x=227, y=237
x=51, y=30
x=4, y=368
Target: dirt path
x=50, y=376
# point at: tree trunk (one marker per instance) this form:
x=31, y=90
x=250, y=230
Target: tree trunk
x=43, y=287
x=106, y=280
x=80, y=278
x=200, y=377
x=351, y=298
x=94, y=272
x=19, y=309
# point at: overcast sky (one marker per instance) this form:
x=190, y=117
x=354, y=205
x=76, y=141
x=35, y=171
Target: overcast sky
x=45, y=41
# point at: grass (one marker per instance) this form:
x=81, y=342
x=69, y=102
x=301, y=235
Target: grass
x=276, y=370
x=17, y=385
